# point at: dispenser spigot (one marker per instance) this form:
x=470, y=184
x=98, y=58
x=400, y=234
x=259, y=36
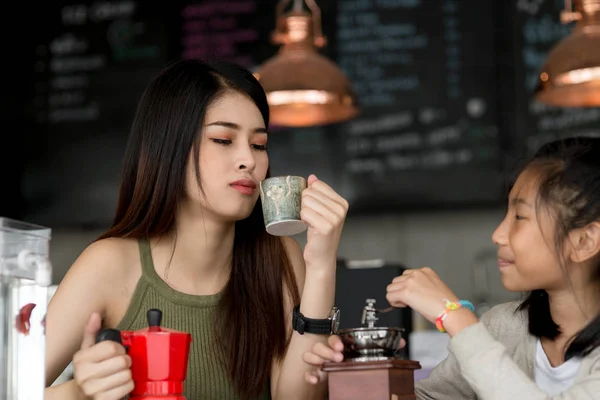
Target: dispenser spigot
x=43, y=268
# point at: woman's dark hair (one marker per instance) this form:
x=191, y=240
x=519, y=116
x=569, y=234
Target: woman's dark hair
x=164, y=132
x=569, y=188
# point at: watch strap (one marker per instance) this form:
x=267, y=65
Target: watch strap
x=302, y=324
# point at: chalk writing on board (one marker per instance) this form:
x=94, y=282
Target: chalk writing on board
x=69, y=66
x=530, y=7
x=80, y=14
x=426, y=88
x=217, y=29
x=92, y=42
x=93, y=60
x=408, y=108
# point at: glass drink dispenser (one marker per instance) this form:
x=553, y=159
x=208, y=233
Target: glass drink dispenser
x=25, y=275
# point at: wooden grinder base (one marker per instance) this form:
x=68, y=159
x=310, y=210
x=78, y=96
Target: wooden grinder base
x=372, y=380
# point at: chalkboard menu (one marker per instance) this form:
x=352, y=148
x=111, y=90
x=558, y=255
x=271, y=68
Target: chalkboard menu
x=220, y=30
x=537, y=28
x=93, y=60
x=235, y=30
x=425, y=76
x=444, y=90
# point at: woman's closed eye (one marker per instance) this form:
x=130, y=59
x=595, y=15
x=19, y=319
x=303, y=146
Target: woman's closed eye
x=224, y=142
x=227, y=142
x=261, y=147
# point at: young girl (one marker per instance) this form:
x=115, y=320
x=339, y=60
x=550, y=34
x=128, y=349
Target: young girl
x=189, y=239
x=547, y=346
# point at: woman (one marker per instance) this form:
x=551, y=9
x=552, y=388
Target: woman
x=189, y=238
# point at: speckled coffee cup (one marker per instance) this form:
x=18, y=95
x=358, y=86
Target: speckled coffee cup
x=281, y=198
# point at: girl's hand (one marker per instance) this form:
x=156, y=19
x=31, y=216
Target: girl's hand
x=422, y=290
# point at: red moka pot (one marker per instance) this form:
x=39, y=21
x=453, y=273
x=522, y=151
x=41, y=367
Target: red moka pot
x=159, y=358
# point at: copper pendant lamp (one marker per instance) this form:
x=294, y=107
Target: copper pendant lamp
x=303, y=87
x=571, y=75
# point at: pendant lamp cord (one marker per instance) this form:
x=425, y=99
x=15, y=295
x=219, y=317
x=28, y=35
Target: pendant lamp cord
x=568, y=6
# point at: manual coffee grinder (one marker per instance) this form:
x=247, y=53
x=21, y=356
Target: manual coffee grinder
x=371, y=370
x=25, y=275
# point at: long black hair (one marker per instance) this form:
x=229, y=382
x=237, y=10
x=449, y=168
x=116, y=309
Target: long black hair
x=569, y=187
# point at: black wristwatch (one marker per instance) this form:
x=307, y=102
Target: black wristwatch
x=327, y=326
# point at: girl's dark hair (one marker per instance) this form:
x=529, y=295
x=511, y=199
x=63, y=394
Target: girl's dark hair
x=569, y=188
x=164, y=132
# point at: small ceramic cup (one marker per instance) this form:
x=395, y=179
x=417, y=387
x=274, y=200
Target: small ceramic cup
x=281, y=197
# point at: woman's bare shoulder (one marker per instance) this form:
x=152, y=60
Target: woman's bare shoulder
x=107, y=259
x=93, y=284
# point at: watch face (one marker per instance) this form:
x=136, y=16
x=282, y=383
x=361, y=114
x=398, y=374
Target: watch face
x=335, y=321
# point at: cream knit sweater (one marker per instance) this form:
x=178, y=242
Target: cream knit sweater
x=493, y=360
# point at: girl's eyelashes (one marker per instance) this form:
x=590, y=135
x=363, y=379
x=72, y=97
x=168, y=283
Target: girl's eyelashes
x=261, y=147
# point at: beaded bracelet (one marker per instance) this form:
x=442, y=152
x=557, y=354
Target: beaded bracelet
x=451, y=306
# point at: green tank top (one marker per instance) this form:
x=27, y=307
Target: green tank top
x=207, y=377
